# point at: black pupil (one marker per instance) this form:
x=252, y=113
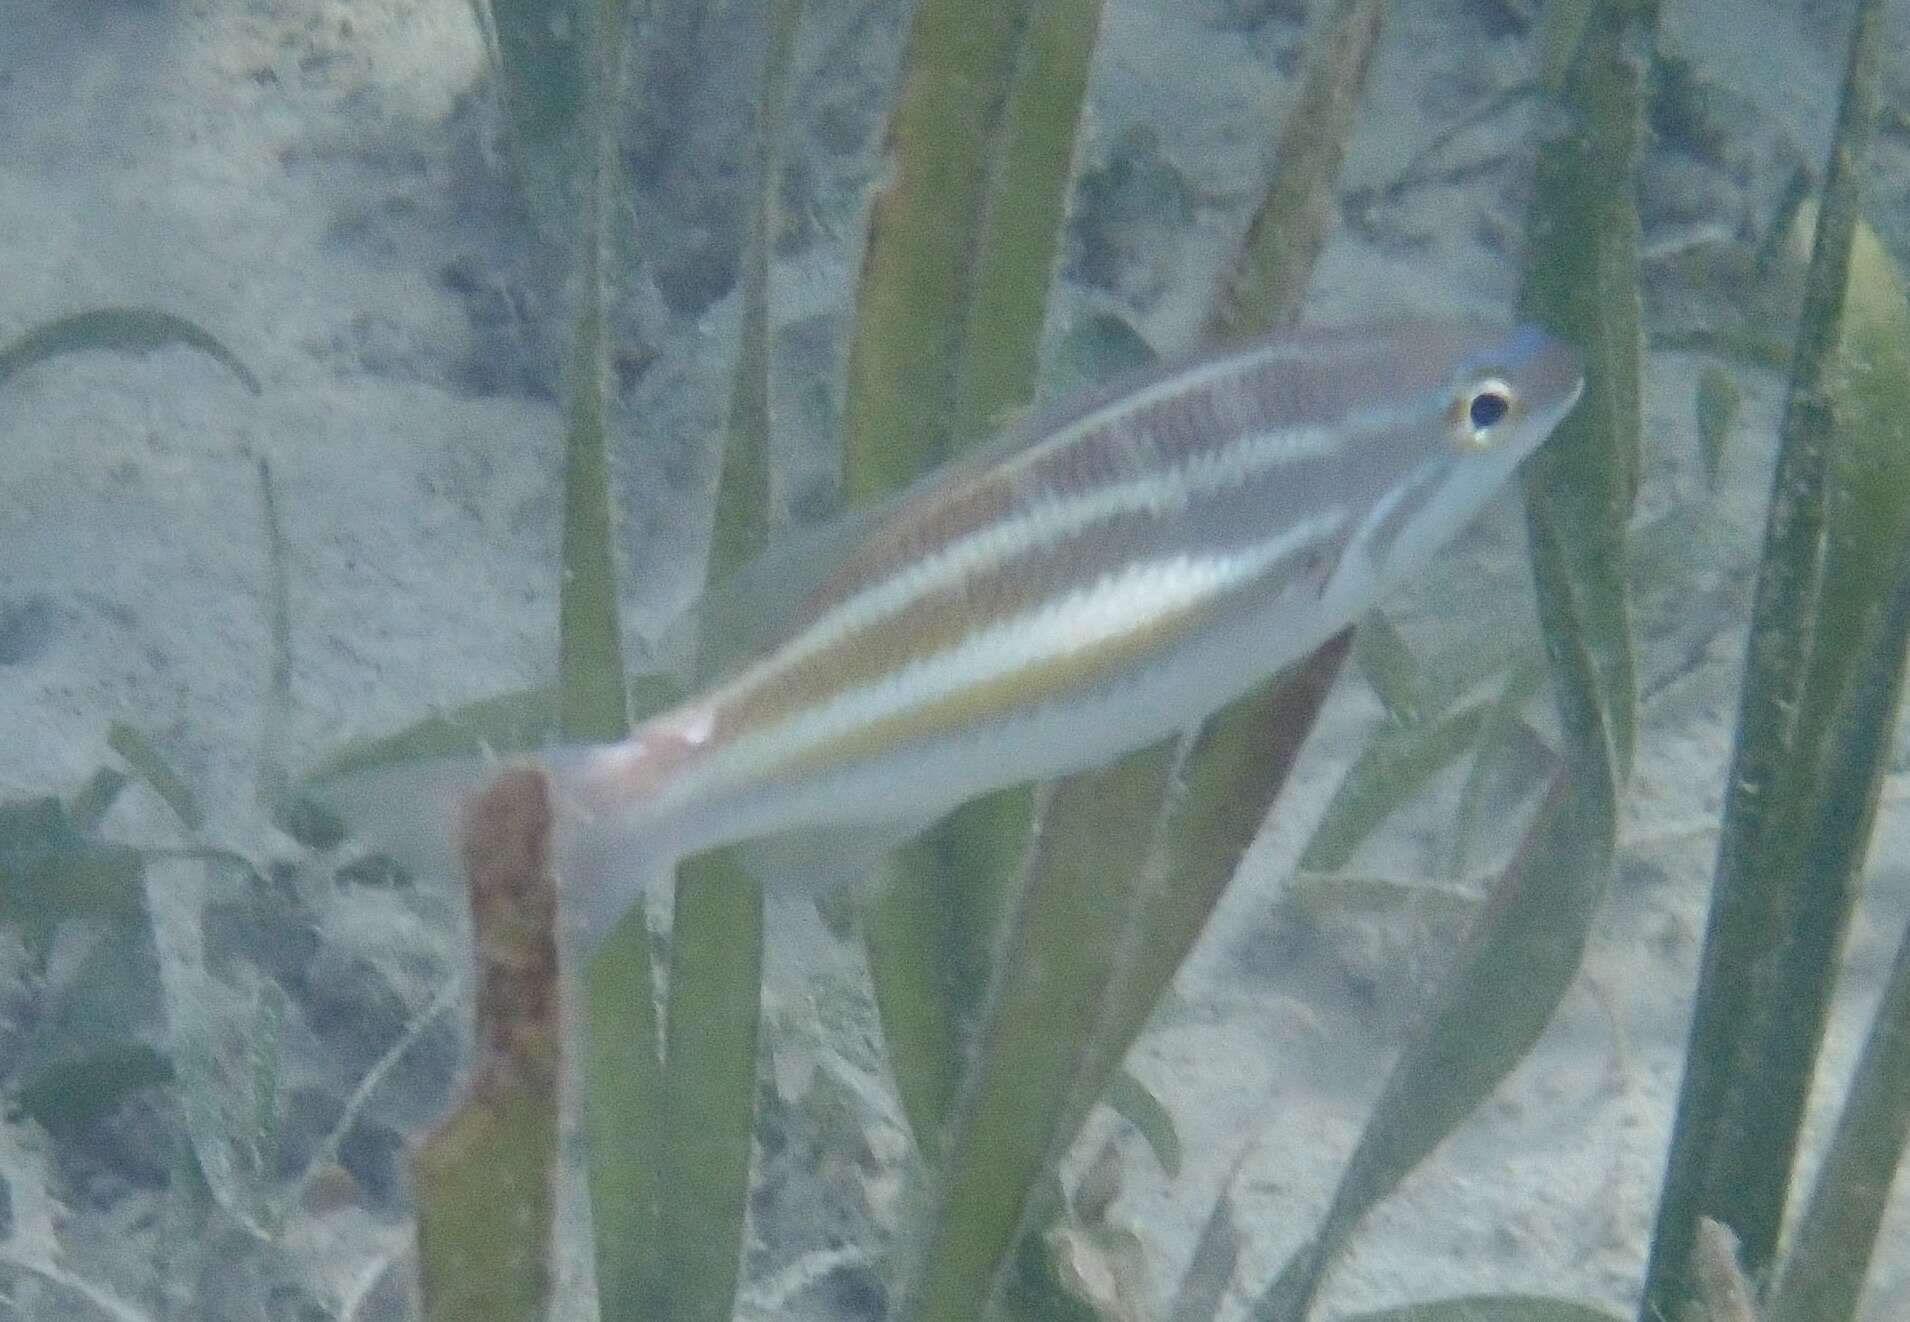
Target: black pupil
x=1487, y=407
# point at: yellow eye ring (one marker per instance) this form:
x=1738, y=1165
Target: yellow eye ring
x=1478, y=410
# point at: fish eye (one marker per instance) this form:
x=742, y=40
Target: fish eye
x=1477, y=409
x=1487, y=407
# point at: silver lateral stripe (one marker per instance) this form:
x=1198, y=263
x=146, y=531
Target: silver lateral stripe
x=1127, y=615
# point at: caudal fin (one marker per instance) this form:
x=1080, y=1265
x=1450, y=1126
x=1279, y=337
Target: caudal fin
x=603, y=849
x=409, y=811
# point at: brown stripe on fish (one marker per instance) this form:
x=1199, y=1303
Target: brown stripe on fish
x=1012, y=577
x=993, y=696
x=1298, y=467
x=1189, y=413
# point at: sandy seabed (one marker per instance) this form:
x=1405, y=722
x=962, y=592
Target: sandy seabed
x=317, y=183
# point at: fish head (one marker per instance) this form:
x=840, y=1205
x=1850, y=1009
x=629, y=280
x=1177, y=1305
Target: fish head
x=1462, y=409
x=1504, y=399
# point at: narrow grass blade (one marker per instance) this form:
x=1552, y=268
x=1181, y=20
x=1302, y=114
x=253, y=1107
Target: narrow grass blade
x=1717, y=409
x=918, y=268
x=1230, y=773
x=486, y=1178
x=1021, y=221
x=620, y=1054
x=1581, y=282
x=623, y=1122
x=1822, y=1277
x=1267, y=286
x=709, y=1084
x=1517, y=960
x=1523, y=949
x=513, y=722
x=1504, y=729
x=1728, y=1161
x=1135, y=1103
x=1490, y=1308
x=1562, y=28
x=1388, y=665
x=919, y=979
x=95, y=799
x=716, y=943
x=159, y=776
x=1823, y=1274
x=1849, y=700
x=274, y=776
x=949, y=315
x=1204, y=815
x=1060, y=944
x=1396, y=764
x=121, y=330
x=618, y=1124
x=741, y=525
x=1229, y=778
x=1203, y=1287
x=542, y=50
x=590, y=691
x=1035, y=1073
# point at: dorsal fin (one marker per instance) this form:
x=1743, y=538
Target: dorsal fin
x=746, y=613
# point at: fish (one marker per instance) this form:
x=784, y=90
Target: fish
x=1104, y=574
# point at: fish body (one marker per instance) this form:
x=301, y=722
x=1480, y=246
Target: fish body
x=1107, y=575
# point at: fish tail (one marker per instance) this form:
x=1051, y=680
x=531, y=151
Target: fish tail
x=410, y=812
x=603, y=845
